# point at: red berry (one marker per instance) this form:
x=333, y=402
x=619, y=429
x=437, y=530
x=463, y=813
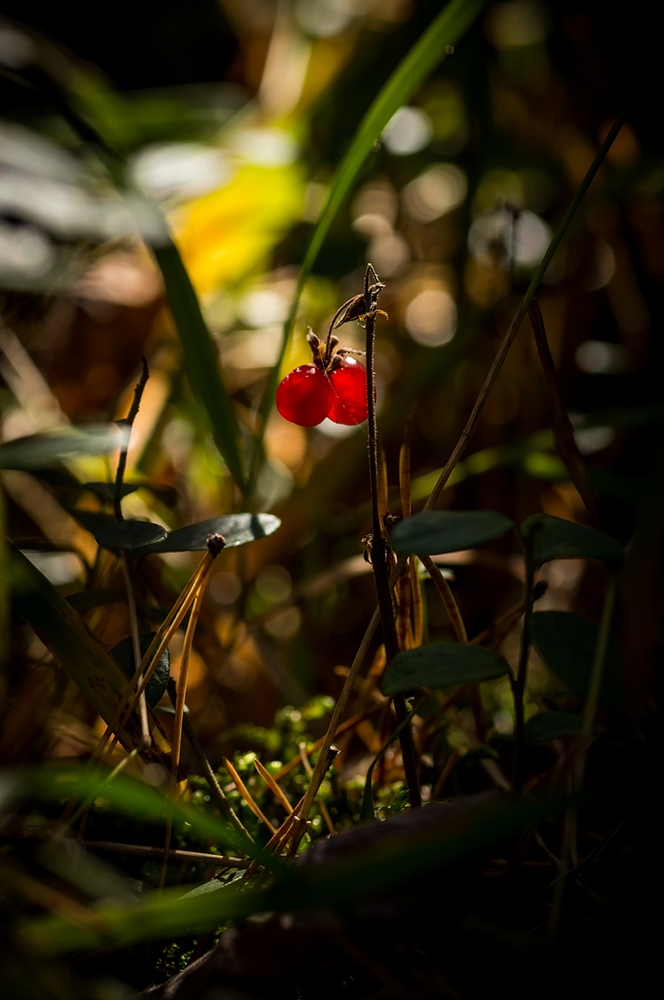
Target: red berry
x=349, y=382
x=305, y=396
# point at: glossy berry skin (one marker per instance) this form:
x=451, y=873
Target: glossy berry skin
x=349, y=382
x=306, y=396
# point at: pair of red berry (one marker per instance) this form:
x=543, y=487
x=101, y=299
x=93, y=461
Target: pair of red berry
x=311, y=393
x=334, y=385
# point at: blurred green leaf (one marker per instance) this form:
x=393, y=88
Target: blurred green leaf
x=566, y=643
x=93, y=670
x=548, y=537
x=129, y=536
x=237, y=529
x=124, y=654
x=436, y=531
x=39, y=450
x=200, y=353
x=401, y=851
x=442, y=664
x=129, y=797
x=547, y=726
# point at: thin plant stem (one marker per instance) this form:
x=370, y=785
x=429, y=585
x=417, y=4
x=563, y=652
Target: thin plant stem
x=273, y=786
x=599, y=660
x=563, y=430
x=321, y=805
x=380, y=555
x=531, y=291
x=217, y=791
x=176, y=748
x=128, y=422
x=174, y=854
x=136, y=645
x=125, y=556
x=519, y=682
x=447, y=597
x=149, y=662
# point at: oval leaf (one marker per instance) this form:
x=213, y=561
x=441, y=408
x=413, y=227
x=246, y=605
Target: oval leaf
x=129, y=536
x=39, y=450
x=566, y=643
x=442, y=664
x=434, y=531
x=237, y=529
x=549, y=537
x=91, y=520
x=124, y=654
x=547, y=726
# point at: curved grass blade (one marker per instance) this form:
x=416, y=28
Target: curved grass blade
x=93, y=670
x=200, y=357
x=430, y=49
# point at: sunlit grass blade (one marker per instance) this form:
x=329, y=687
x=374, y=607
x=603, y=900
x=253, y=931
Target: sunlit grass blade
x=200, y=357
x=445, y=31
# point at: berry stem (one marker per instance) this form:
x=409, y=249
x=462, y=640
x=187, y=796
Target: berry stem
x=380, y=552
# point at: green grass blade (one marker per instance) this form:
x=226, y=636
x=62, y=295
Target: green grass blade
x=93, y=670
x=445, y=31
x=200, y=357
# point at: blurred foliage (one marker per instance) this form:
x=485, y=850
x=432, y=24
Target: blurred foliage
x=238, y=121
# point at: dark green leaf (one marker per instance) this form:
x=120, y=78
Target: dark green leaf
x=547, y=726
x=129, y=535
x=201, y=356
x=39, y=450
x=237, y=529
x=124, y=654
x=434, y=531
x=549, y=537
x=91, y=519
x=93, y=670
x=442, y=664
x=566, y=642
x=87, y=599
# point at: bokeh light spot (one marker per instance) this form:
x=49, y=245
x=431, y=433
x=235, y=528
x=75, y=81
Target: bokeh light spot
x=408, y=131
x=431, y=317
x=436, y=191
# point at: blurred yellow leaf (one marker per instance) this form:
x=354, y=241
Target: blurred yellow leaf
x=224, y=235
